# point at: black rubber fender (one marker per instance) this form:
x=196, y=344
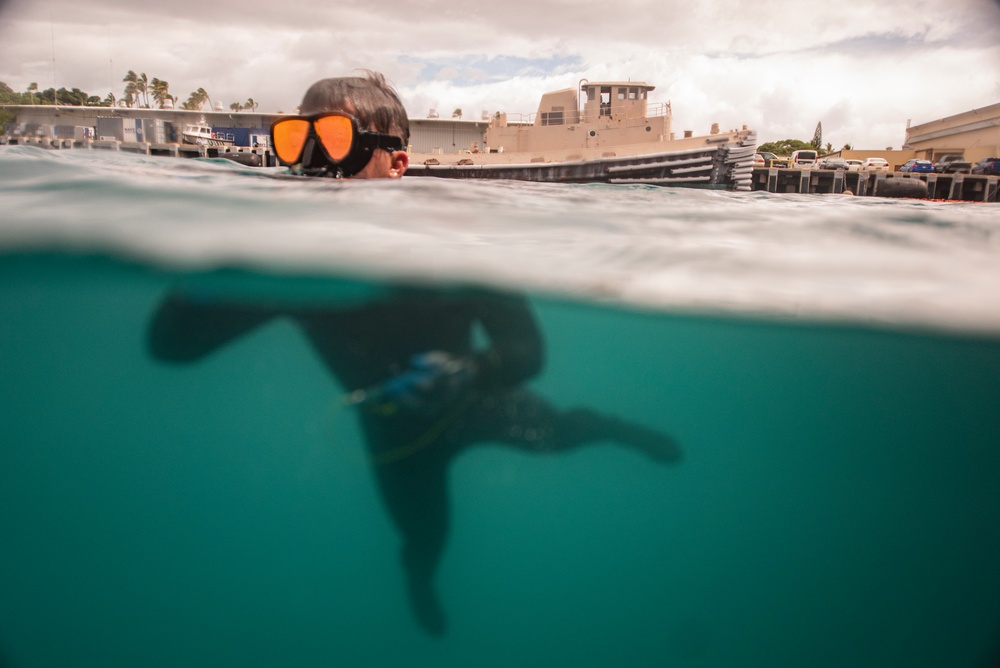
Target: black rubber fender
x=248, y=159
x=901, y=187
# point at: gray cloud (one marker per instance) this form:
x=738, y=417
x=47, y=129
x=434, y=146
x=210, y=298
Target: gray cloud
x=779, y=66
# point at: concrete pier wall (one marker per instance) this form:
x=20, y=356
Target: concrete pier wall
x=959, y=187
x=964, y=187
x=239, y=153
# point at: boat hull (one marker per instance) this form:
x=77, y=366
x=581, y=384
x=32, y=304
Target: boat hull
x=204, y=141
x=727, y=166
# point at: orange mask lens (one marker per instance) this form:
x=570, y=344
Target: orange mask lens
x=289, y=138
x=336, y=133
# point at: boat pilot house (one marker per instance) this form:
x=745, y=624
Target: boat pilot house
x=613, y=113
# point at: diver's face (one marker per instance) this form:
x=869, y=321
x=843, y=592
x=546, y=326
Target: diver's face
x=379, y=167
x=383, y=164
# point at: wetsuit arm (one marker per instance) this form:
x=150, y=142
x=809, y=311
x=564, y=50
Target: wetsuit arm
x=183, y=329
x=516, y=351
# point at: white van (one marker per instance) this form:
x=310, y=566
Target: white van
x=804, y=159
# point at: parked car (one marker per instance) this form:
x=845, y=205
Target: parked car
x=917, y=166
x=804, y=159
x=854, y=165
x=772, y=161
x=833, y=163
x=763, y=159
x=875, y=165
x=952, y=164
x=987, y=166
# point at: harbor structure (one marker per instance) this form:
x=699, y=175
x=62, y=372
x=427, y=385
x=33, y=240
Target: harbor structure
x=46, y=124
x=950, y=187
x=974, y=134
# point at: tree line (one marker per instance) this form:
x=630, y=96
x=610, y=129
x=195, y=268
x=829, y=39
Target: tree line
x=139, y=91
x=786, y=147
x=32, y=95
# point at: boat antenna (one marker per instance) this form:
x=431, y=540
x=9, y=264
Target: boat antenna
x=111, y=63
x=52, y=26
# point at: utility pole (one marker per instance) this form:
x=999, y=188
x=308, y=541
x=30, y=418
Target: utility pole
x=55, y=95
x=111, y=64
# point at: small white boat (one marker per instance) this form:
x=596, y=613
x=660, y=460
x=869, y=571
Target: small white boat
x=201, y=134
x=614, y=138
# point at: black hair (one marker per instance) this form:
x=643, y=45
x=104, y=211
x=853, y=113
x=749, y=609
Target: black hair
x=370, y=99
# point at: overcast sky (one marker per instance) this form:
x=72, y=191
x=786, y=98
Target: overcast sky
x=862, y=67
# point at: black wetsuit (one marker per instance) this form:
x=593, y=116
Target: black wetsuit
x=410, y=449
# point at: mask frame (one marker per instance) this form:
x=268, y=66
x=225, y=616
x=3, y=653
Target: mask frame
x=322, y=151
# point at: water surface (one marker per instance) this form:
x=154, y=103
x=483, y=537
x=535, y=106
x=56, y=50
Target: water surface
x=828, y=366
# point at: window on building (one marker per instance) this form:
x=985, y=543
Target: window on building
x=554, y=117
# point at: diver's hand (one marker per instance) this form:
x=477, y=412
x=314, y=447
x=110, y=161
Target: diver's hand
x=433, y=380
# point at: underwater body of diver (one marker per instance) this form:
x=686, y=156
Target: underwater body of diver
x=423, y=393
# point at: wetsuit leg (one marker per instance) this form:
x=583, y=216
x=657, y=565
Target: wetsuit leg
x=413, y=481
x=525, y=420
x=585, y=425
x=414, y=489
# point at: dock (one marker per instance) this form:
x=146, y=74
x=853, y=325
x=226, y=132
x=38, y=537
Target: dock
x=957, y=187
x=950, y=187
x=252, y=156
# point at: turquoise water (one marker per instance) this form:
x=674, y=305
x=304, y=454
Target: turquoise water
x=829, y=368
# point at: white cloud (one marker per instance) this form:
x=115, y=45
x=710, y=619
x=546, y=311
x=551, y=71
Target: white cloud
x=777, y=65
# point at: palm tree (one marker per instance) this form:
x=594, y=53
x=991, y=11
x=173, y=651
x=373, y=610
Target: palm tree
x=131, y=89
x=457, y=113
x=141, y=86
x=236, y=106
x=32, y=87
x=130, y=95
x=197, y=99
x=161, y=91
x=137, y=84
x=250, y=104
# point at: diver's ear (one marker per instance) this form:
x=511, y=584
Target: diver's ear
x=400, y=161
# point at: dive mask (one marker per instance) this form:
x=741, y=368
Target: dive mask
x=327, y=144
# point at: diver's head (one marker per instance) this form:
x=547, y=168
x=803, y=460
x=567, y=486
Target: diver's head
x=376, y=106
